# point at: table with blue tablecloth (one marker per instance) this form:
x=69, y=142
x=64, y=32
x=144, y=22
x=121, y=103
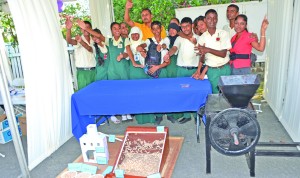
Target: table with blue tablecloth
x=116, y=97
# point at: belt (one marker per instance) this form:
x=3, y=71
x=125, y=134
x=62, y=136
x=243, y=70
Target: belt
x=219, y=67
x=234, y=56
x=188, y=67
x=85, y=68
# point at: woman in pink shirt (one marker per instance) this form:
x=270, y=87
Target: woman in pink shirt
x=242, y=44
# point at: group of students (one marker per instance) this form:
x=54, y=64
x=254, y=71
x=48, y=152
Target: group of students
x=192, y=49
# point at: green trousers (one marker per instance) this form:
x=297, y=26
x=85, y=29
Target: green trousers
x=85, y=77
x=214, y=74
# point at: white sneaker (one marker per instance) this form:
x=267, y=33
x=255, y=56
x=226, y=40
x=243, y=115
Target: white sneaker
x=129, y=117
x=115, y=120
x=124, y=118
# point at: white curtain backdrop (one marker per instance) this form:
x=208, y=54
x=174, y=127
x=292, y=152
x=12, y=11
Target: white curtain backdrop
x=282, y=65
x=278, y=37
x=290, y=114
x=47, y=76
x=102, y=15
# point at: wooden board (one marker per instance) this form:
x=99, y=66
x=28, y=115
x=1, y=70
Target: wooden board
x=175, y=144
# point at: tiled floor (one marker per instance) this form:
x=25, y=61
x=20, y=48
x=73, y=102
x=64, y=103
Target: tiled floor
x=191, y=161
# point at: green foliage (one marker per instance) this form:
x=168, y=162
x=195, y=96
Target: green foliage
x=9, y=32
x=162, y=10
x=75, y=11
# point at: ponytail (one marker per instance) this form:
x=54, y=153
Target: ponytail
x=99, y=58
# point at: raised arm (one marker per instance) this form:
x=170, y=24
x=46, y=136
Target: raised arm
x=127, y=19
x=260, y=46
x=68, y=34
x=84, y=44
x=82, y=25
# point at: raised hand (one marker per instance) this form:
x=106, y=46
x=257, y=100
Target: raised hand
x=68, y=23
x=129, y=4
x=265, y=23
x=81, y=24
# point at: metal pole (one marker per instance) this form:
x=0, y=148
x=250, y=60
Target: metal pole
x=10, y=113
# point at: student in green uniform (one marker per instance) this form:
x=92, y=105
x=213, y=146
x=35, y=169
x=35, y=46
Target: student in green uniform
x=187, y=60
x=136, y=70
x=156, y=67
x=102, y=57
x=118, y=64
x=84, y=58
x=172, y=67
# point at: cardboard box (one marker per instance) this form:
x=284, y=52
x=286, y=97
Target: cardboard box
x=5, y=135
x=4, y=122
x=23, y=125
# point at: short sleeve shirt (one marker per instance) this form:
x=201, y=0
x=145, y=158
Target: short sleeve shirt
x=84, y=58
x=242, y=46
x=186, y=53
x=230, y=30
x=147, y=33
x=218, y=41
x=117, y=42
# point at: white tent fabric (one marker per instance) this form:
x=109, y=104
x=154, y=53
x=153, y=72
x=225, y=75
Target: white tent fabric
x=278, y=36
x=102, y=15
x=282, y=80
x=290, y=113
x=47, y=76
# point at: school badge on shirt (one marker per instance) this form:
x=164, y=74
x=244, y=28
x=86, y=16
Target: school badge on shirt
x=120, y=45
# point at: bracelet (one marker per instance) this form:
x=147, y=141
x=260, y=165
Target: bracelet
x=263, y=36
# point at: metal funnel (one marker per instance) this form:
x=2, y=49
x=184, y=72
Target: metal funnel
x=239, y=89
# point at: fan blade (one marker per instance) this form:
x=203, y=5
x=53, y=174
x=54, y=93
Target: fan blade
x=219, y=133
x=248, y=129
x=233, y=147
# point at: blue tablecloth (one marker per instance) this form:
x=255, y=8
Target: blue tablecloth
x=113, y=97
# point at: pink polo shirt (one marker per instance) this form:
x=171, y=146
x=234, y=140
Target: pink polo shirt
x=242, y=46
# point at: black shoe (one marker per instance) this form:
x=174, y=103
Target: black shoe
x=184, y=120
x=158, y=120
x=180, y=120
x=171, y=118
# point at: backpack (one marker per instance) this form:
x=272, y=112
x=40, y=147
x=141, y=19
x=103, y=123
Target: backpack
x=153, y=58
